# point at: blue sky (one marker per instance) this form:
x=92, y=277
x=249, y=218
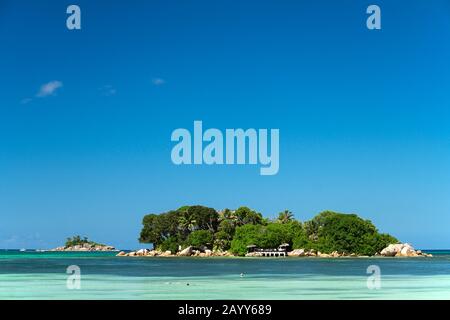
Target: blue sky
x=363, y=115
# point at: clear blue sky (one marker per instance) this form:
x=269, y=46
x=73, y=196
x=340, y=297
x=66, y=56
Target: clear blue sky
x=364, y=116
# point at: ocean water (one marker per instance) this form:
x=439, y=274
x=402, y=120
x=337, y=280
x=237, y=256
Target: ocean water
x=42, y=275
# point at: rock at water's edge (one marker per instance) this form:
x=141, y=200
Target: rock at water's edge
x=402, y=250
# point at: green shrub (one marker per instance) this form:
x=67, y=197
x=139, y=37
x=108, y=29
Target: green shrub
x=268, y=237
x=200, y=238
x=245, y=235
x=222, y=240
x=170, y=244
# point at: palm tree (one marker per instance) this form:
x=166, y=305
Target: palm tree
x=226, y=214
x=285, y=216
x=186, y=222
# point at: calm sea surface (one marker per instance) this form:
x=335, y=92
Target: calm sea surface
x=42, y=275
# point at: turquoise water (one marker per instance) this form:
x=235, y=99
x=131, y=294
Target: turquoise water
x=36, y=275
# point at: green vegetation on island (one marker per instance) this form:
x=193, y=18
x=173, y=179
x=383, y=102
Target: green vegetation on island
x=234, y=230
x=79, y=241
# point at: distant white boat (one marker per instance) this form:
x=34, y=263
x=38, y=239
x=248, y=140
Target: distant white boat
x=23, y=250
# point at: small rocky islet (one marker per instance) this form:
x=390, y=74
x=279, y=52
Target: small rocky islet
x=80, y=244
x=85, y=248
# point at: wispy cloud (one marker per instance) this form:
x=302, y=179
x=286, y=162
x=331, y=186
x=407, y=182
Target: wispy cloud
x=158, y=81
x=26, y=100
x=49, y=88
x=17, y=241
x=107, y=90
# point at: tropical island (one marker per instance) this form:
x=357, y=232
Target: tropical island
x=203, y=231
x=77, y=243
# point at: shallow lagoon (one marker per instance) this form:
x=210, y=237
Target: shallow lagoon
x=32, y=275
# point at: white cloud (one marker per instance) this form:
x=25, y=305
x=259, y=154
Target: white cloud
x=158, y=81
x=49, y=88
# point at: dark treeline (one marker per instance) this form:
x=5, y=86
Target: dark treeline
x=234, y=230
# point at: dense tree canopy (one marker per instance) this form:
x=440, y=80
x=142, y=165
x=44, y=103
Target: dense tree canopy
x=234, y=230
x=159, y=227
x=271, y=235
x=347, y=233
x=200, y=238
x=244, y=215
x=78, y=240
